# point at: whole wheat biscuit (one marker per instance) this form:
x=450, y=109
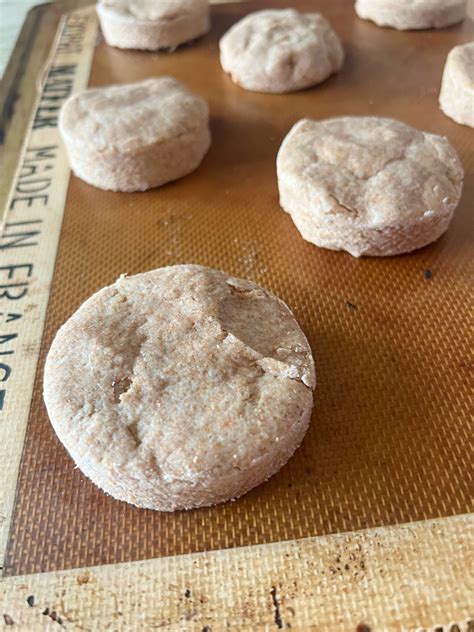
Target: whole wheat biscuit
x=181, y=387
x=412, y=14
x=280, y=51
x=136, y=136
x=368, y=185
x=152, y=24
x=456, y=97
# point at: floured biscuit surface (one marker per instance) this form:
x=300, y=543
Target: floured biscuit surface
x=280, y=51
x=412, y=14
x=368, y=185
x=456, y=98
x=152, y=24
x=180, y=387
x=136, y=136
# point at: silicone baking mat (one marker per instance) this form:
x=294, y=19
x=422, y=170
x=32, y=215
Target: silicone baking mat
x=392, y=338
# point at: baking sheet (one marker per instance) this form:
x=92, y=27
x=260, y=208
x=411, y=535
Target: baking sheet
x=391, y=421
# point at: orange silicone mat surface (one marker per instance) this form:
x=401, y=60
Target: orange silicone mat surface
x=393, y=349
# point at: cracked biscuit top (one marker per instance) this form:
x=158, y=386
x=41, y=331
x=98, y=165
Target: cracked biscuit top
x=370, y=171
x=151, y=10
x=280, y=50
x=125, y=118
x=178, y=374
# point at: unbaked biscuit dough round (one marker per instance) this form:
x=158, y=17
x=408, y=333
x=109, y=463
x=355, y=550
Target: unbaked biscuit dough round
x=456, y=98
x=152, y=24
x=368, y=185
x=180, y=388
x=412, y=14
x=280, y=51
x=136, y=136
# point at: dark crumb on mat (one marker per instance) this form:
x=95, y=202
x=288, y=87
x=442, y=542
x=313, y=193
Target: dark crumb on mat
x=427, y=274
x=351, y=306
x=30, y=601
x=276, y=606
x=53, y=615
x=8, y=620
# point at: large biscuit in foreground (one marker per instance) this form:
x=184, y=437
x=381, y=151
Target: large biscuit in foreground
x=152, y=24
x=136, y=136
x=280, y=51
x=456, y=97
x=180, y=387
x=368, y=185
x=412, y=14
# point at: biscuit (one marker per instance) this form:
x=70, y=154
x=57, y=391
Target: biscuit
x=456, y=97
x=152, y=24
x=280, y=51
x=368, y=185
x=136, y=136
x=180, y=387
x=412, y=14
